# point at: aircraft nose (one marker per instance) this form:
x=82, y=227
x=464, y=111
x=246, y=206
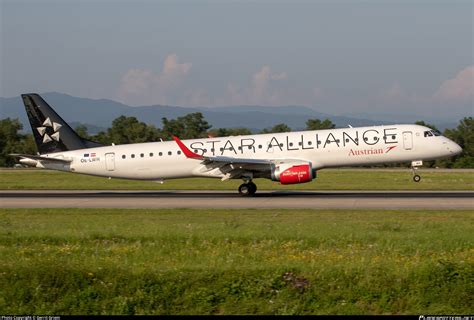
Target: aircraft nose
x=454, y=148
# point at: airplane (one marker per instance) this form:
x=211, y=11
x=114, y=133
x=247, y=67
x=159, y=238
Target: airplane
x=289, y=158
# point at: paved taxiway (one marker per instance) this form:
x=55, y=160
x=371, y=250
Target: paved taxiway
x=230, y=199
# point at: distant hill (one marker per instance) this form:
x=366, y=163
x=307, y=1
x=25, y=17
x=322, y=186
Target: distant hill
x=98, y=114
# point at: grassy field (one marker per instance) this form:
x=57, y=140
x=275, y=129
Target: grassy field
x=337, y=179
x=88, y=261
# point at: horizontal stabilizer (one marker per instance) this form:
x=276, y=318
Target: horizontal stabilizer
x=41, y=158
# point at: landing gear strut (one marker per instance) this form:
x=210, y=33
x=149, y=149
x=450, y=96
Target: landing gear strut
x=248, y=188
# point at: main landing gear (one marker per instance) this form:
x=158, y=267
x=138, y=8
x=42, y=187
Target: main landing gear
x=248, y=188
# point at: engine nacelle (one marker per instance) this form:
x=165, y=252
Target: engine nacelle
x=291, y=173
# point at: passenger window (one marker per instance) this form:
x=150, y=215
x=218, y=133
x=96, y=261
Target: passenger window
x=169, y=153
x=124, y=156
x=133, y=156
x=160, y=153
x=142, y=155
x=151, y=154
x=310, y=142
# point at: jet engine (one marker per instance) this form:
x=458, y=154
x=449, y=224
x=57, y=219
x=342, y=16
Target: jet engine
x=289, y=173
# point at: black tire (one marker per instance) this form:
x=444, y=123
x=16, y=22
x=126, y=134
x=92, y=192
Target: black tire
x=244, y=189
x=252, y=188
x=416, y=178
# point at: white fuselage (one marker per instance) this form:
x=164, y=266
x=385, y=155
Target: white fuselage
x=322, y=148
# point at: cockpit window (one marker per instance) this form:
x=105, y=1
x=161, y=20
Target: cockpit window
x=432, y=133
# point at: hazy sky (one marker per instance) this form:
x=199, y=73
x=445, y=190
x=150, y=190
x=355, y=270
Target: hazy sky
x=341, y=57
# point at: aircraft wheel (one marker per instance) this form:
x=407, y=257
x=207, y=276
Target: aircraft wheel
x=252, y=188
x=244, y=189
x=416, y=178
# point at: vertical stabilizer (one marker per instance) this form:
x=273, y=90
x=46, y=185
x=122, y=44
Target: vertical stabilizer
x=51, y=132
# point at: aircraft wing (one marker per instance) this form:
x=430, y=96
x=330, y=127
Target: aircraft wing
x=41, y=158
x=233, y=167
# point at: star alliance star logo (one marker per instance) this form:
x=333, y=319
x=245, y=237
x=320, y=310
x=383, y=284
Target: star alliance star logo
x=43, y=131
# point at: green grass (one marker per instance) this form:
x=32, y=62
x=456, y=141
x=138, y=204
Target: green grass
x=187, y=261
x=339, y=179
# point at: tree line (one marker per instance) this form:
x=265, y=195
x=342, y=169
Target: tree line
x=126, y=130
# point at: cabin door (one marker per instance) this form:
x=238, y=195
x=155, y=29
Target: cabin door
x=110, y=161
x=408, y=140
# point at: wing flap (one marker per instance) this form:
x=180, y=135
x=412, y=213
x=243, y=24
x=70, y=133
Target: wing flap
x=231, y=160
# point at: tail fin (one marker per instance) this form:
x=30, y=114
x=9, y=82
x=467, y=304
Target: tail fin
x=51, y=132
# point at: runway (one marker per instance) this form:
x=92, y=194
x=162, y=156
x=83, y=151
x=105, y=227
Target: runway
x=232, y=200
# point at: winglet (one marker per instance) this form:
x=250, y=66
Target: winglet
x=188, y=153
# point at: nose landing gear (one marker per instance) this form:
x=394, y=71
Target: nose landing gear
x=416, y=178
x=414, y=168
x=247, y=188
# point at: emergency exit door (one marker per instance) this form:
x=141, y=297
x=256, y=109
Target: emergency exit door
x=408, y=140
x=110, y=161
